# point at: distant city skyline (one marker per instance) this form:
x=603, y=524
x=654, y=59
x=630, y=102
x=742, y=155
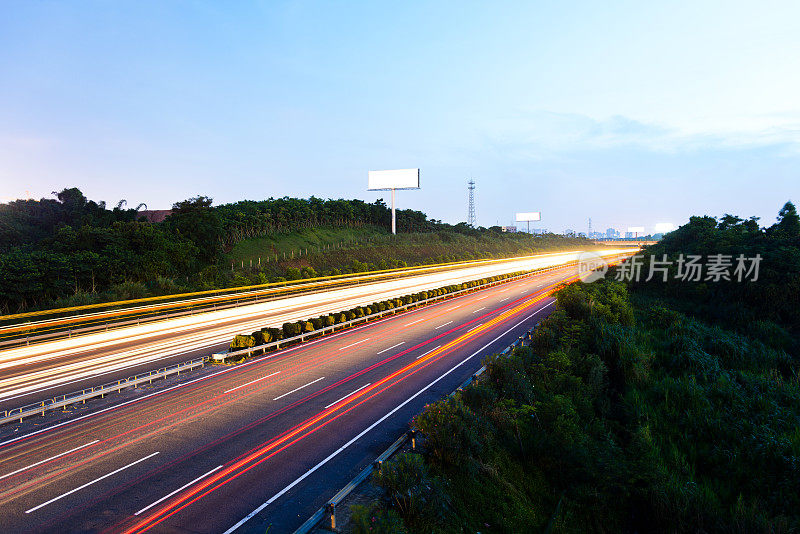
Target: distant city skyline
x=632, y=114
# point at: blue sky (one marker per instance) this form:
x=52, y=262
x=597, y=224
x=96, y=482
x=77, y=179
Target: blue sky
x=631, y=113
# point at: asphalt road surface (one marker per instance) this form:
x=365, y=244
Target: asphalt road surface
x=35, y=373
x=240, y=448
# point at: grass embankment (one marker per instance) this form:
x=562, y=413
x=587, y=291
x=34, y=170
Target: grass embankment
x=335, y=251
x=622, y=415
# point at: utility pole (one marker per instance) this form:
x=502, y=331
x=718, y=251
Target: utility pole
x=471, y=212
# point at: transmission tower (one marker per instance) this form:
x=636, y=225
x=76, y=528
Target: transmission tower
x=471, y=213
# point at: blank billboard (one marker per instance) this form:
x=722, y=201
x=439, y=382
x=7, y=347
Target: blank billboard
x=530, y=216
x=636, y=229
x=395, y=179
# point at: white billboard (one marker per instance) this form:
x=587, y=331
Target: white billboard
x=636, y=229
x=394, y=179
x=530, y=216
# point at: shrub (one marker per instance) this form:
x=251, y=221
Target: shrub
x=291, y=329
x=242, y=342
x=261, y=337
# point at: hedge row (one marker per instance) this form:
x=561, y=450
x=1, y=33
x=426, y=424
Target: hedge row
x=270, y=335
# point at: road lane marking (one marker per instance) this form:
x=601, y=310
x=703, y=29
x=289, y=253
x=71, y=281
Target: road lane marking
x=70, y=492
x=298, y=389
x=433, y=349
x=390, y=348
x=479, y=309
x=441, y=325
x=199, y=379
x=343, y=398
x=47, y=460
x=354, y=344
x=252, y=382
x=165, y=497
x=501, y=300
x=453, y=308
x=308, y=473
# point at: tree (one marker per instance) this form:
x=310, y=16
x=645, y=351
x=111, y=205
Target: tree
x=788, y=221
x=198, y=222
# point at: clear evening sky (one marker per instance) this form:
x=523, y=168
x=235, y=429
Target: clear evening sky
x=631, y=113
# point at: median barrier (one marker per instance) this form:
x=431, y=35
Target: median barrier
x=62, y=401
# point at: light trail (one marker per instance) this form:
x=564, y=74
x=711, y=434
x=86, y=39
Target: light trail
x=70, y=492
x=21, y=469
x=67, y=361
x=298, y=389
x=390, y=348
x=298, y=432
x=351, y=393
x=253, y=381
x=441, y=350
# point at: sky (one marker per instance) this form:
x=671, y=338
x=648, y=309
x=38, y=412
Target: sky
x=632, y=113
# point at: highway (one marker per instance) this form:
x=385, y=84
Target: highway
x=33, y=373
x=239, y=448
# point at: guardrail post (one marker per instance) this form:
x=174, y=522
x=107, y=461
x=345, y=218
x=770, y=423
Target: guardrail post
x=332, y=511
x=413, y=434
x=42, y=410
x=378, y=465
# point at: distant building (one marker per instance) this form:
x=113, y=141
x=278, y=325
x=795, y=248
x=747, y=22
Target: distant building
x=153, y=216
x=510, y=229
x=611, y=233
x=569, y=232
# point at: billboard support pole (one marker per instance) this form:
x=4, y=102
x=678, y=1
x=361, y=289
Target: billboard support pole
x=394, y=224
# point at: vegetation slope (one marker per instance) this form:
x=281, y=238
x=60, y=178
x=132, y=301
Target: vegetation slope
x=644, y=407
x=70, y=250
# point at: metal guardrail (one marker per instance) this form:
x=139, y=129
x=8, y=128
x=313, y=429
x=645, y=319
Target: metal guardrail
x=329, y=509
x=261, y=349
x=247, y=352
x=55, y=326
x=62, y=401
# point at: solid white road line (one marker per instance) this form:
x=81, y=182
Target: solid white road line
x=433, y=349
x=253, y=382
x=479, y=309
x=70, y=492
x=343, y=398
x=392, y=347
x=441, y=325
x=354, y=344
x=370, y=427
x=414, y=322
x=21, y=469
x=165, y=497
x=298, y=389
